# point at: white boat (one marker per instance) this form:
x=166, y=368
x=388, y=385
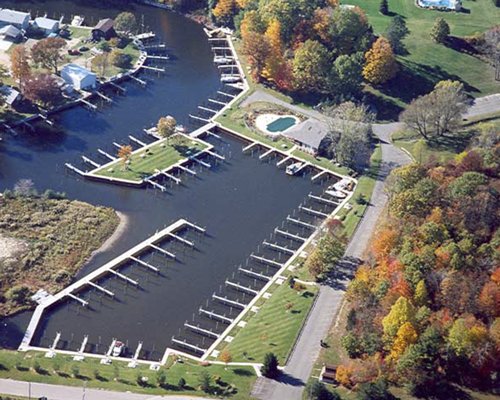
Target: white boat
x=336, y=193
x=293, y=168
x=77, y=20
x=117, y=350
x=230, y=79
x=223, y=60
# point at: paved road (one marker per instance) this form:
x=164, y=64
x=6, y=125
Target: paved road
x=56, y=392
x=484, y=105
x=300, y=364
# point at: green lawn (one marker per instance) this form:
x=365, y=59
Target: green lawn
x=428, y=62
x=159, y=156
x=351, y=218
x=118, y=376
x=273, y=328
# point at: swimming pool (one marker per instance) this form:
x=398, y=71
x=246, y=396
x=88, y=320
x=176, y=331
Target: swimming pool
x=281, y=124
x=448, y=4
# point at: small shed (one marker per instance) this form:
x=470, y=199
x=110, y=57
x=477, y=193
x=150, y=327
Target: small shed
x=20, y=20
x=10, y=33
x=78, y=77
x=328, y=373
x=9, y=94
x=104, y=30
x=46, y=25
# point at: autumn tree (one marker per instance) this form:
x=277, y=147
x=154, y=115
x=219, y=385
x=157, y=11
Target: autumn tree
x=166, y=126
x=42, y=89
x=381, y=64
x=100, y=63
x=315, y=264
x=224, y=10
x=440, y=31
x=256, y=47
x=47, y=53
x=20, y=66
x=126, y=22
x=401, y=312
x=124, y=154
x=405, y=336
x=226, y=357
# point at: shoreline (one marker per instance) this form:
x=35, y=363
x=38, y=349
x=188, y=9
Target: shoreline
x=123, y=224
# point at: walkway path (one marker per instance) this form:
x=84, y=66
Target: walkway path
x=484, y=105
x=57, y=392
x=301, y=362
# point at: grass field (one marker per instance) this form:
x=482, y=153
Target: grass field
x=60, y=370
x=428, y=62
x=275, y=327
x=145, y=162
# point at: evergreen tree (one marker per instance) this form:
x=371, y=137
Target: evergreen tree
x=270, y=366
x=396, y=32
x=440, y=31
x=384, y=7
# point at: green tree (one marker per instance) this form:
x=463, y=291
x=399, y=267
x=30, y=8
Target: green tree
x=384, y=7
x=310, y=67
x=421, y=296
x=377, y=390
x=349, y=31
x=270, y=366
x=346, y=76
x=440, y=31
x=317, y=391
x=396, y=32
x=205, y=381
x=125, y=22
x=120, y=59
x=161, y=378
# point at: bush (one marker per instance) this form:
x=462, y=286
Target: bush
x=182, y=383
x=496, y=3
x=121, y=60
x=104, y=46
x=53, y=195
x=318, y=391
x=205, y=380
x=161, y=378
x=378, y=390
x=18, y=294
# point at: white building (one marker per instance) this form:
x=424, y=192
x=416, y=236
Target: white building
x=20, y=20
x=78, y=77
x=46, y=25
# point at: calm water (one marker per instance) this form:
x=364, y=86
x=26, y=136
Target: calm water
x=240, y=201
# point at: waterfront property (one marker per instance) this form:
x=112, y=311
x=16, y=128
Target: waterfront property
x=79, y=77
x=18, y=19
x=46, y=25
x=149, y=160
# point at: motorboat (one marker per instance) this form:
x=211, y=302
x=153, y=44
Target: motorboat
x=292, y=169
x=118, y=348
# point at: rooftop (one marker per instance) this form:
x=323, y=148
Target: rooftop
x=46, y=23
x=105, y=25
x=310, y=132
x=12, y=16
x=10, y=31
x=76, y=71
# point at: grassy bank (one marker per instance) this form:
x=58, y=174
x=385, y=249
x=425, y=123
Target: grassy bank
x=62, y=370
x=160, y=156
x=274, y=328
x=427, y=62
x=50, y=239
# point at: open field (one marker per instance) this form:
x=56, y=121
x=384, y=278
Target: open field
x=146, y=161
x=275, y=327
x=55, y=238
x=61, y=370
x=428, y=62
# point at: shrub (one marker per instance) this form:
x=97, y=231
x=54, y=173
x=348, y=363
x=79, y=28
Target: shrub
x=75, y=371
x=104, y=46
x=18, y=294
x=205, y=380
x=161, y=378
x=120, y=60
x=182, y=383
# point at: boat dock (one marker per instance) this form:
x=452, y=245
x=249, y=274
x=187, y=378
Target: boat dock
x=112, y=267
